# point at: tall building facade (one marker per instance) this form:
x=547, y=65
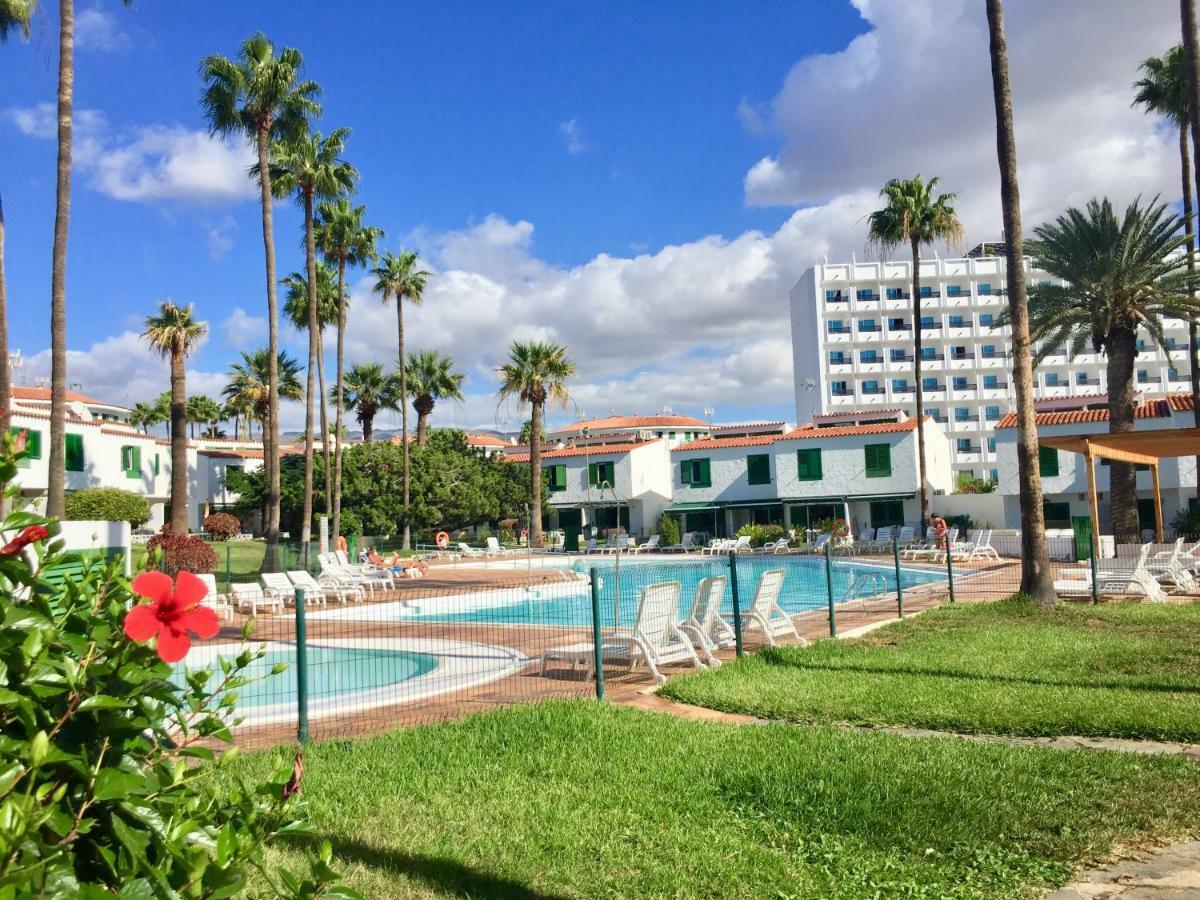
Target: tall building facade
x=852, y=346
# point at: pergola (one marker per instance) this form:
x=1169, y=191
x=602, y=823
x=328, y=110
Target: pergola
x=1140, y=447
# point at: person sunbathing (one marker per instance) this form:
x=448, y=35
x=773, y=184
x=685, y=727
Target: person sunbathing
x=398, y=564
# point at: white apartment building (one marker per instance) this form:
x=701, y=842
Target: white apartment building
x=852, y=333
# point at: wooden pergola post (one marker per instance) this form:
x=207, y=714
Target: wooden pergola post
x=1158, y=513
x=1093, y=501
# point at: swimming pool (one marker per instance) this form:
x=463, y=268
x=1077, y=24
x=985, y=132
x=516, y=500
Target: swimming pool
x=351, y=675
x=569, y=604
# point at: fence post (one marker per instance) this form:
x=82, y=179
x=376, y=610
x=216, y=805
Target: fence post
x=1095, y=566
x=301, y=669
x=899, y=581
x=950, y=567
x=737, y=604
x=597, y=640
x=228, y=565
x=829, y=586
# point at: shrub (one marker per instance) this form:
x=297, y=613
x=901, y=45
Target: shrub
x=107, y=504
x=175, y=553
x=760, y=534
x=351, y=523
x=1187, y=523
x=107, y=775
x=968, y=484
x=668, y=529
x=221, y=526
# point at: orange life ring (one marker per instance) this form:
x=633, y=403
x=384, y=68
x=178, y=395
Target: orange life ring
x=442, y=540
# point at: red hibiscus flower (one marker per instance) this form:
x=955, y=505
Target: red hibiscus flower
x=30, y=534
x=174, y=610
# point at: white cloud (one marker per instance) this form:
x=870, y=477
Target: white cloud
x=35, y=121
x=219, y=237
x=97, y=29
x=244, y=331
x=572, y=136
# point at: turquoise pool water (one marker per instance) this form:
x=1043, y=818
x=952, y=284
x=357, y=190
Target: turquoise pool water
x=804, y=588
x=332, y=671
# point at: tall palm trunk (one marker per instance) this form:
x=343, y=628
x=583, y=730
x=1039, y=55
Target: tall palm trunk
x=535, y=473
x=368, y=427
x=1185, y=167
x=1122, y=477
x=340, y=400
x=324, y=423
x=271, y=421
x=5, y=375
x=310, y=259
x=1036, y=577
x=424, y=410
x=56, y=478
x=916, y=307
x=1191, y=47
x=403, y=417
x=179, y=443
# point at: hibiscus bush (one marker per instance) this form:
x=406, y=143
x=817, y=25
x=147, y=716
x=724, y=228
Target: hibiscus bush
x=174, y=553
x=222, y=525
x=107, y=765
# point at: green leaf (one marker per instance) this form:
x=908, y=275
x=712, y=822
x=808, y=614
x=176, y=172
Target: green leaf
x=102, y=701
x=38, y=748
x=138, y=889
x=113, y=784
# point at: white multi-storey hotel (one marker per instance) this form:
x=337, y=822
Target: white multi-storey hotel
x=852, y=343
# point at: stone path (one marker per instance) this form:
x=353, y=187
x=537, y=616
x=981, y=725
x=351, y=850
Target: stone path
x=1167, y=874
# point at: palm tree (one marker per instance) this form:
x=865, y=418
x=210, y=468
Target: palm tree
x=1037, y=579
x=399, y=276
x=914, y=216
x=311, y=166
x=203, y=410
x=142, y=416
x=236, y=411
x=162, y=411
x=1120, y=276
x=368, y=391
x=343, y=239
x=260, y=95
x=249, y=383
x=536, y=372
x=15, y=16
x=295, y=307
x=174, y=332
x=430, y=377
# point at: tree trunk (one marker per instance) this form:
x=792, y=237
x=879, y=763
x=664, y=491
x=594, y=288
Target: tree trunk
x=916, y=325
x=1122, y=396
x=423, y=414
x=1036, y=577
x=535, y=475
x=328, y=479
x=310, y=260
x=339, y=401
x=271, y=421
x=403, y=417
x=1185, y=166
x=368, y=427
x=179, y=443
x=5, y=372
x=57, y=461
x=1191, y=47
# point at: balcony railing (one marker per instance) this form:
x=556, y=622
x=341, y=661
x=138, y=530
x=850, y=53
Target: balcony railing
x=841, y=392
x=837, y=298
x=868, y=329
x=995, y=386
x=872, y=391
x=969, y=386
x=899, y=295
x=969, y=448
x=931, y=326
x=962, y=355
x=934, y=357
x=904, y=357
x=1087, y=382
x=899, y=326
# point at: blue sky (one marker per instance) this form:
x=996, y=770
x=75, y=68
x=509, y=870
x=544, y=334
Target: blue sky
x=577, y=170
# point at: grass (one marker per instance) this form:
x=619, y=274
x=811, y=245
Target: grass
x=236, y=560
x=1123, y=670
x=579, y=799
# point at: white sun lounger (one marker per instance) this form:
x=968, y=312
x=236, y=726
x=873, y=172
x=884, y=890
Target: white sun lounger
x=655, y=638
x=1122, y=577
x=765, y=613
x=704, y=625
x=468, y=551
x=219, y=602
x=331, y=588
x=650, y=546
x=252, y=595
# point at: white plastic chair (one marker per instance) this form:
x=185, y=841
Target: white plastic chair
x=704, y=625
x=765, y=613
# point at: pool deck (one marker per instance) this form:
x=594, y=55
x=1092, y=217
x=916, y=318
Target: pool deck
x=975, y=583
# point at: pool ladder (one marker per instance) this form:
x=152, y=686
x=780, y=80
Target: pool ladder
x=865, y=586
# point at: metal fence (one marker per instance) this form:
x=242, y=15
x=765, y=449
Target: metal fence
x=355, y=651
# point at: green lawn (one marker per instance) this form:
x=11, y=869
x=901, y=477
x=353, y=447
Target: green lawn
x=579, y=799
x=1126, y=670
x=236, y=560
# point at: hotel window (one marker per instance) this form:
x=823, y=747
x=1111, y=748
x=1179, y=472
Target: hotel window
x=930, y=384
x=898, y=356
x=991, y=445
x=953, y=290
x=866, y=294
x=897, y=324
x=74, y=452
x=1057, y=514
x=927, y=322
x=1081, y=378
x=131, y=462
x=985, y=289
x=1043, y=284
x=926, y=291
x=959, y=353
x=758, y=469
x=1173, y=375
x=808, y=464
x=894, y=294
x=833, y=296
x=868, y=356
x=963, y=445
x=994, y=474
x=935, y=413
x=33, y=446
x=991, y=382
x=928, y=353
x=1143, y=376
x=962, y=414
x=839, y=388
x=1169, y=343
x=878, y=460
x=988, y=351
x=871, y=387
x=836, y=326
x=1051, y=379
x=836, y=358
x=556, y=477
x=695, y=472
x=1047, y=462
x=867, y=325
x=900, y=385
x=957, y=322
x=601, y=472
x=960, y=382
x=986, y=320
x=991, y=413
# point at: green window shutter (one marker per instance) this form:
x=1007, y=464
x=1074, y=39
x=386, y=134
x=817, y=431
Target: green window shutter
x=758, y=469
x=33, y=445
x=74, y=452
x=157, y=463
x=1047, y=462
x=131, y=461
x=593, y=474
x=705, y=474
x=808, y=464
x=878, y=460
x=685, y=472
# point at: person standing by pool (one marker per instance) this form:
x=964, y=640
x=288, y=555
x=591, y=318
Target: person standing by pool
x=940, y=530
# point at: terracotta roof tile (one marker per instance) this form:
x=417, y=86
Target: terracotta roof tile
x=594, y=450
x=803, y=433
x=635, y=422
x=1160, y=408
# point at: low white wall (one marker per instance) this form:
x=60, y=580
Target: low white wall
x=986, y=509
x=97, y=535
